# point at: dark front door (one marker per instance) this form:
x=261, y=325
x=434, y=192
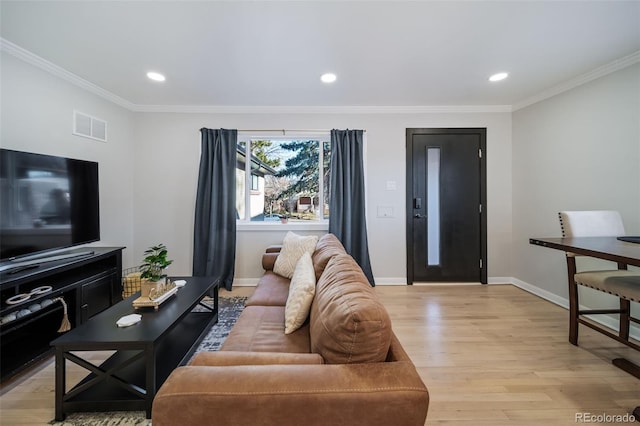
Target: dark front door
x=446, y=204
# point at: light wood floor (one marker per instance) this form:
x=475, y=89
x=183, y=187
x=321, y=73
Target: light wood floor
x=490, y=355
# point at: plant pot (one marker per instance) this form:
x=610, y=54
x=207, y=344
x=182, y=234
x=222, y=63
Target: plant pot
x=284, y=220
x=146, y=286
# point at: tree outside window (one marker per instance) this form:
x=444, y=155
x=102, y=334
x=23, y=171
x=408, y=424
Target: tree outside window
x=289, y=178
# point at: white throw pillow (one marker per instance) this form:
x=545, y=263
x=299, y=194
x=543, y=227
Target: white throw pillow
x=301, y=292
x=293, y=247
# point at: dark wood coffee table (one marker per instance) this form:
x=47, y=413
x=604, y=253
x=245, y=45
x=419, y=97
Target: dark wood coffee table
x=146, y=352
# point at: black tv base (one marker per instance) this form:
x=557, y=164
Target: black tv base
x=15, y=265
x=89, y=281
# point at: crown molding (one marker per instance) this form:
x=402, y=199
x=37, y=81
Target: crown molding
x=33, y=59
x=212, y=109
x=601, y=71
x=50, y=67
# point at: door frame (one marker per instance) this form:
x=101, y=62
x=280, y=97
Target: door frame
x=482, y=133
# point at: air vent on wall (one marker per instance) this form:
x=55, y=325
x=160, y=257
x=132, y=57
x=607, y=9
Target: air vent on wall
x=89, y=127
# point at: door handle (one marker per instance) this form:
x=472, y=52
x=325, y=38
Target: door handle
x=420, y=216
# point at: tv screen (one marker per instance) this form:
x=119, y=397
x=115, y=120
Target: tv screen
x=46, y=203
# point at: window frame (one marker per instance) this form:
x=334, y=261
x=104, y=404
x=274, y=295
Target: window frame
x=255, y=186
x=245, y=223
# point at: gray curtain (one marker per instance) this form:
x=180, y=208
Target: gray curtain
x=347, y=219
x=214, y=239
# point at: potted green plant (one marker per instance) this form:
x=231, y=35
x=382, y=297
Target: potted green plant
x=153, y=266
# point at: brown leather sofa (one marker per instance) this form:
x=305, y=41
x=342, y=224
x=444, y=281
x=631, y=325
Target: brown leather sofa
x=344, y=366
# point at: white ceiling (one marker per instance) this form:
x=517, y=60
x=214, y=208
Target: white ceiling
x=272, y=53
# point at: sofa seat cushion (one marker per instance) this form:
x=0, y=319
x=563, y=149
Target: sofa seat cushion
x=261, y=329
x=272, y=290
x=328, y=246
x=348, y=322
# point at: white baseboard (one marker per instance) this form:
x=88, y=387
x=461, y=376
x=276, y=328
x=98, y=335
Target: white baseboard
x=499, y=280
x=386, y=281
x=245, y=282
x=390, y=281
x=547, y=295
x=252, y=282
x=444, y=283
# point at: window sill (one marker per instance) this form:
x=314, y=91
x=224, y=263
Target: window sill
x=277, y=226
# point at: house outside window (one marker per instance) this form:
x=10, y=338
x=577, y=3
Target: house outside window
x=288, y=177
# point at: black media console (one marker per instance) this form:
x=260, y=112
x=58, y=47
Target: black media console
x=89, y=281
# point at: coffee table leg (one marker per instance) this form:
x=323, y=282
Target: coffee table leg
x=215, y=300
x=60, y=383
x=150, y=362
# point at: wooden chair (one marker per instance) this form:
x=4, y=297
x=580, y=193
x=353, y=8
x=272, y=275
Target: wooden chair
x=619, y=282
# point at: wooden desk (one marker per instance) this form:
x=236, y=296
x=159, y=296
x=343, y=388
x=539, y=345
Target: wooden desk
x=608, y=248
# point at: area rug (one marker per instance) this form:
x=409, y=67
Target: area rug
x=229, y=308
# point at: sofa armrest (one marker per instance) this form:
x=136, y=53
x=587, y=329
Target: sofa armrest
x=268, y=260
x=389, y=393
x=222, y=358
x=276, y=248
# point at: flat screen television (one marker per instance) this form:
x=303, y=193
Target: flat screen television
x=46, y=203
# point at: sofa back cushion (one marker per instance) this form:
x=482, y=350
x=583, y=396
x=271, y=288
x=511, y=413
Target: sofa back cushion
x=328, y=246
x=348, y=323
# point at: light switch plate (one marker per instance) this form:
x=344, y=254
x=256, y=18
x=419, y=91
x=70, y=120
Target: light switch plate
x=385, y=211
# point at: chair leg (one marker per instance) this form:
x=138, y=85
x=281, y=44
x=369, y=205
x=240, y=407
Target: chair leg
x=573, y=301
x=625, y=308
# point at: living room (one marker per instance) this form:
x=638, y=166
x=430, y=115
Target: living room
x=571, y=142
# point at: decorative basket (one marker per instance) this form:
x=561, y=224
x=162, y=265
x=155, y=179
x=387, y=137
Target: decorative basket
x=131, y=282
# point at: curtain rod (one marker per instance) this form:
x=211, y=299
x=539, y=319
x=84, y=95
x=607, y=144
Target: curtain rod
x=284, y=131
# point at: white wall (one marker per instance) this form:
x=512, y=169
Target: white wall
x=165, y=187
x=37, y=116
x=579, y=150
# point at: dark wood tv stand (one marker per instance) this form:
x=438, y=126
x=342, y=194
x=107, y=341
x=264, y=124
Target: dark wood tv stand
x=89, y=284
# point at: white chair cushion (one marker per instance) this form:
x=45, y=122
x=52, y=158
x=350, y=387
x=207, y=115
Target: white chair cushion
x=619, y=282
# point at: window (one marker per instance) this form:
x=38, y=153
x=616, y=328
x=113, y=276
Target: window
x=278, y=177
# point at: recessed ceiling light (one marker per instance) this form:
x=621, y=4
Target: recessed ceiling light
x=328, y=78
x=499, y=76
x=155, y=76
